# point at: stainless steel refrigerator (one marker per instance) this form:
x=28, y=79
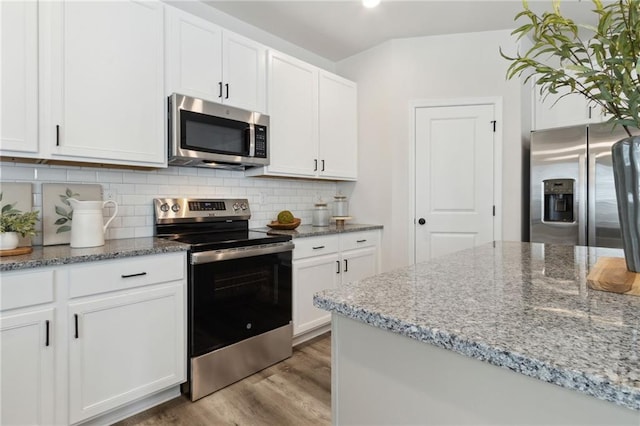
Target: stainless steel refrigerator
x=573, y=199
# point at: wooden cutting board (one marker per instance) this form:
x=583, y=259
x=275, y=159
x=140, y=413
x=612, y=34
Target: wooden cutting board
x=16, y=251
x=611, y=274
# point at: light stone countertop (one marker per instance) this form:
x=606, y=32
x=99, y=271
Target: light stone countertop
x=521, y=306
x=113, y=249
x=304, y=231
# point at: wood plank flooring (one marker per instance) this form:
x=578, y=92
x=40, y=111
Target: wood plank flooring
x=296, y=391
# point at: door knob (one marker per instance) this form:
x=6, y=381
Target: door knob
x=421, y=221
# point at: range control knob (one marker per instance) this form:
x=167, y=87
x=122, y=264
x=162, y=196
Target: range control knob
x=164, y=207
x=175, y=208
x=236, y=206
x=244, y=206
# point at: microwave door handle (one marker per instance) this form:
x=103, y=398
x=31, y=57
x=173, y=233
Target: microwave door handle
x=251, y=134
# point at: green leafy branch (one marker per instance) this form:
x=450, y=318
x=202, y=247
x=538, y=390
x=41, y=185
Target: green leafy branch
x=66, y=215
x=605, y=68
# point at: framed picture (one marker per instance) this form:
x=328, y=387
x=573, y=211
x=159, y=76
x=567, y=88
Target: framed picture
x=57, y=214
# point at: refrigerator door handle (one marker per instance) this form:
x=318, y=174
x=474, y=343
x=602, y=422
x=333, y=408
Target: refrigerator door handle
x=591, y=198
x=582, y=201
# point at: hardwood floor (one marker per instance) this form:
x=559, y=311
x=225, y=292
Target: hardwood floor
x=296, y=391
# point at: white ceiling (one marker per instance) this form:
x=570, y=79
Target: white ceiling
x=338, y=29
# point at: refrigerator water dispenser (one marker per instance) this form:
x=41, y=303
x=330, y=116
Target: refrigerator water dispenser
x=558, y=200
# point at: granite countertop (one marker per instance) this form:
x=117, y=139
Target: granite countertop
x=113, y=249
x=303, y=231
x=521, y=306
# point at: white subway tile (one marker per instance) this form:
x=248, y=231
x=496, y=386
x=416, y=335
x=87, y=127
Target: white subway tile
x=187, y=171
x=133, y=221
x=77, y=175
x=51, y=175
x=119, y=233
x=17, y=173
x=144, y=231
x=159, y=179
x=146, y=189
x=109, y=177
x=134, y=177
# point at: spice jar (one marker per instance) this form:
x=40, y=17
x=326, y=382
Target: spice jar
x=340, y=206
x=320, y=214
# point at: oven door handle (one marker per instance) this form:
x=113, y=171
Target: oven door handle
x=219, y=256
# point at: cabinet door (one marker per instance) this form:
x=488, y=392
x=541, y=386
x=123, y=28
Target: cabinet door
x=358, y=264
x=125, y=347
x=557, y=111
x=311, y=275
x=27, y=374
x=337, y=126
x=19, y=77
x=107, y=82
x=244, y=72
x=293, y=110
x=194, y=56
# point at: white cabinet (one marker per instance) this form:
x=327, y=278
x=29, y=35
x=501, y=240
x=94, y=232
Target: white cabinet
x=19, y=78
x=128, y=343
x=79, y=340
x=208, y=62
x=27, y=345
x=105, y=88
x=313, y=127
x=556, y=110
x=324, y=262
x=337, y=127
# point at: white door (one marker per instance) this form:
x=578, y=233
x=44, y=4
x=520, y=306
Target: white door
x=244, y=71
x=454, y=178
x=358, y=264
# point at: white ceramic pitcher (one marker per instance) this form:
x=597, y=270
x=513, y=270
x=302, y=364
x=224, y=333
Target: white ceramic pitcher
x=87, y=228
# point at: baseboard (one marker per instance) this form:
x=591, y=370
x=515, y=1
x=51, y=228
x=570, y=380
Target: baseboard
x=134, y=407
x=311, y=334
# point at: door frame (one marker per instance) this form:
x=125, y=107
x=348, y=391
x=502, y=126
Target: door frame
x=496, y=102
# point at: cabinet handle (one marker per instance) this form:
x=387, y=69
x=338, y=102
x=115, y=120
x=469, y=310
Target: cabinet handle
x=338, y=263
x=589, y=112
x=315, y=165
x=75, y=316
x=139, y=274
x=219, y=89
x=46, y=340
x=361, y=241
x=318, y=247
x=346, y=265
x=227, y=87
x=57, y=135
x=322, y=166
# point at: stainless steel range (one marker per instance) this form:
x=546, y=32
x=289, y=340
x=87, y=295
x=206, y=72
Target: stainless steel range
x=239, y=292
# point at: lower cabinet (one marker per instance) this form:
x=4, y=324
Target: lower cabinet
x=123, y=347
x=79, y=340
x=324, y=262
x=27, y=348
x=27, y=368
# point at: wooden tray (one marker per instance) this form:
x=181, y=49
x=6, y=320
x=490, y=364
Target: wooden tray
x=16, y=251
x=284, y=226
x=611, y=274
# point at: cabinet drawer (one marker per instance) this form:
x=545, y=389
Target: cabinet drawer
x=353, y=240
x=119, y=274
x=315, y=246
x=21, y=289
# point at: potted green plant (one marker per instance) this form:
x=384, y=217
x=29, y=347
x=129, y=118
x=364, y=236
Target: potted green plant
x=604, y=66
x=14, y=222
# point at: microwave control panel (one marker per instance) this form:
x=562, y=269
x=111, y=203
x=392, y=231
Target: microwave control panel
x=261, y=141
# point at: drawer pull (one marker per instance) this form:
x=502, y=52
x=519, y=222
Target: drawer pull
x=346, y=265
x=140, y=274
x=75, y=316
x=318, y=247
x=338, y=263
x=46, y=340
x=361, y=241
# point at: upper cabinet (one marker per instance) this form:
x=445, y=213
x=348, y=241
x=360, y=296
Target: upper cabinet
x=557, y=110
x=106, y=82
x=208, y=62
x=19, y=83
x=313, y=127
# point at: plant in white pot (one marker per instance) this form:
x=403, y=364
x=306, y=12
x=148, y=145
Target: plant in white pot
x=14, y=222
x=603, y=66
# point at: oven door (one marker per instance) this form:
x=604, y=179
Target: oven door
x=234, y=297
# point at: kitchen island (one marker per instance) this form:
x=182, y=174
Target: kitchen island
x=499, y=334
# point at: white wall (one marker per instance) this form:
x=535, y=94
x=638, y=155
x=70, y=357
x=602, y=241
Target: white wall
x=135, y=189
x=390, y=77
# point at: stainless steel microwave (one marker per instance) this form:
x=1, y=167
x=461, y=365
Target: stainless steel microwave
x=208, y=134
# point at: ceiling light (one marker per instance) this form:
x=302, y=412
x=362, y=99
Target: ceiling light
x=370, y=3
